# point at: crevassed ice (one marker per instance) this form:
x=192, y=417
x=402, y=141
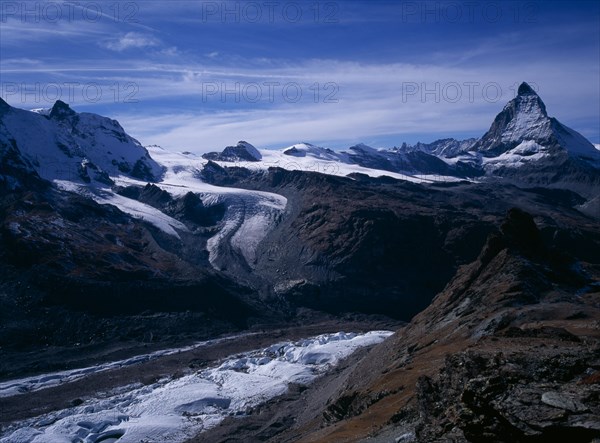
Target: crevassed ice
x=175, y=409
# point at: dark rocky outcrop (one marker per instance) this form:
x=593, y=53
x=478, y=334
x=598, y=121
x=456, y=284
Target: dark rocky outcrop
x=507, y=352
x=243, y=151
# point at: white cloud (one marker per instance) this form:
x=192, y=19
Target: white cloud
x=131, y=40
x=15, y=33
x=371, y=101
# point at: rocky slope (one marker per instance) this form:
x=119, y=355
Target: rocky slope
x=77, y=276
x=385, y=246
x=86, y=265
x=507, y=352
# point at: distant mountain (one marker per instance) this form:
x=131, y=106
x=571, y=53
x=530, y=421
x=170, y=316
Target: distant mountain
x=243, y=151
x=308, y=150
x=526, y=145
x=446, y=147
x=524, y=128
x=62, y=144
x=523, y=145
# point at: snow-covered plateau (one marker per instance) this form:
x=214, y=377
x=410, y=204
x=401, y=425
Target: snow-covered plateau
x=175, y=409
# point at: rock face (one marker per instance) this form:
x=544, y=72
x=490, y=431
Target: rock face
x=523, y=118
x=447, y=147
x=383, y=246
x=507, y=352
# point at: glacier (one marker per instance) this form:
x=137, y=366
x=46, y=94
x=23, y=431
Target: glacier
x=175, y=409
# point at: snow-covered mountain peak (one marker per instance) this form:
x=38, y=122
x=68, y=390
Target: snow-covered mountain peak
x=444, y=148
x=78, y=147
x=243, y=151
x=527, y=102
x=250, y=149
x=525, y=89
x=525, y=119
x=310, y=150
x=361, y=147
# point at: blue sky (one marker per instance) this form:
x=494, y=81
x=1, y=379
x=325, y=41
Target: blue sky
x=200, y=75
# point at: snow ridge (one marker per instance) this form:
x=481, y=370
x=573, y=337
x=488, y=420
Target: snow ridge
x=83, y=148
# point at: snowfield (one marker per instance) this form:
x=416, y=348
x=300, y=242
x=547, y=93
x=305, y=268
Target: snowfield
x=310, y=158
x=520, y=155
x=173, y=410
x=73, y=145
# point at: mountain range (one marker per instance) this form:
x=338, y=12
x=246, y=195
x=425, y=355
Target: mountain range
x=489, y=250
x=523, y=144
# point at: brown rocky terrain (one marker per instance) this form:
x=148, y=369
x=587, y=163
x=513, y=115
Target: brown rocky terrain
x=508, y=352
x=386, y=246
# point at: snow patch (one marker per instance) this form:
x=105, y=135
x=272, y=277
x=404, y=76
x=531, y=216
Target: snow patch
x=142, y=211
x=520, y=155
x=139, y=210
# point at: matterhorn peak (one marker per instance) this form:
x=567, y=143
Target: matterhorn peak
x=524, y=128
x=525, y=89
x=528, y=101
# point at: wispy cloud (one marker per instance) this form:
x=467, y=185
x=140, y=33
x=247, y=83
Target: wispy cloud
x=131, y=40
x=195, y=107
x=198, y=83
x=15, y=32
